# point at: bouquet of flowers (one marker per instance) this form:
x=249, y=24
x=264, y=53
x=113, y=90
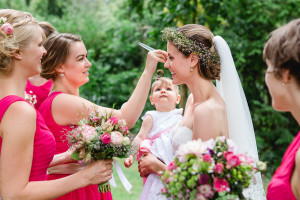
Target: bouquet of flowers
x=209, y=170
x=99, y=137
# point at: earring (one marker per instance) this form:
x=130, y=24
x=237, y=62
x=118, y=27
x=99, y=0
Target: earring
x=283, y=83
x=62, y=74
x=192, y=69
x=20, y=58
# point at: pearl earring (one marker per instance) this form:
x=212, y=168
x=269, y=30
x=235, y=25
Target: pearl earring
x=20, y=58
x=62, y=74
x=192, y=69
x=283, y=84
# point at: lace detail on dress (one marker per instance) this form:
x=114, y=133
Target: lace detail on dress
x=180, y=135
x=256, y=190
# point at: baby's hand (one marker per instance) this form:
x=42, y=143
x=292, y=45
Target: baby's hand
x=128, y=161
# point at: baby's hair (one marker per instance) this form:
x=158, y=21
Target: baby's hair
x=160, y=79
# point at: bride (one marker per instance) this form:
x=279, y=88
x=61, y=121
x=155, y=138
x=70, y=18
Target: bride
x=196, y=58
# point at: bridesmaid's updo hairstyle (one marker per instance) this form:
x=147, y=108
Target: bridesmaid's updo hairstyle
x=23, y=26
x=160, y=79
x=58, y=47
x=283, y=49
x=196, y=39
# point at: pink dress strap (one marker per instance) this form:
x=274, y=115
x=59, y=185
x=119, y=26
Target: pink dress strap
x=280, y=186
x=43, y=145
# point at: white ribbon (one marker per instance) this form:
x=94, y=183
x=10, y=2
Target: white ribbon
x=127, y=185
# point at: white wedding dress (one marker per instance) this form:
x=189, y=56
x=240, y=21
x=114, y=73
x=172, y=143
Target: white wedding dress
x=238, y=115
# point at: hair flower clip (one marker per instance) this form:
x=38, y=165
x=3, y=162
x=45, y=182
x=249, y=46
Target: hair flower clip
x=7, y=28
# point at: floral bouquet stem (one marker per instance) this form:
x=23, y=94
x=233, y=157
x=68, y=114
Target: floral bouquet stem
x=104, y=187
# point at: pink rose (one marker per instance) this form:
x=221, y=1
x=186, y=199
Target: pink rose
x=7, y=28
x=232, y=160
x=172, y=166
x=124, y=129
x=116, y=137
x=105, y=138
x=219, y=168
x=221, y=185
x=207, y=158
x=163, y=190
x=88, y=133
x=114, y=120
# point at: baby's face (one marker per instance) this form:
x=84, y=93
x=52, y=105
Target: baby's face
x=164, y=97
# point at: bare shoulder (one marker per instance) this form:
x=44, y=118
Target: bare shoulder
x=19, y=117
x=148, y=121
x=67, y=101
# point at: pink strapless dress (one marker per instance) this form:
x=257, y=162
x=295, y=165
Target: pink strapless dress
x=280, y=187
x=87, y=193
x=44, y=142
x=41, y=92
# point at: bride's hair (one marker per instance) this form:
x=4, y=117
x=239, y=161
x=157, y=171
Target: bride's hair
x=24, y=26
x=283, y=49
x=58, y=49
x=202, y=35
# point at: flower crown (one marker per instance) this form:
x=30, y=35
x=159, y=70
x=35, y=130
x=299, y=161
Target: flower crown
x=186, y=45
x=7, y=28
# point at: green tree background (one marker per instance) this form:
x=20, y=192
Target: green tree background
x=111, y=30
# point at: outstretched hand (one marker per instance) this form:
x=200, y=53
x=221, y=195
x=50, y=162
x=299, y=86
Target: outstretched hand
x=154, y=57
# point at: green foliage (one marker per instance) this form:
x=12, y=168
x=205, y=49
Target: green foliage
x=111, y=30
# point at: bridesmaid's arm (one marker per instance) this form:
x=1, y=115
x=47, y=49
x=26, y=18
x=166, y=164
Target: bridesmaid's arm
x=70, y=109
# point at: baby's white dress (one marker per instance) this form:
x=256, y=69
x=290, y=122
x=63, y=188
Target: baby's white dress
x=161, y=148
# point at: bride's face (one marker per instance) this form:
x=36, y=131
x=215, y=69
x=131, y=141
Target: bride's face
x=178, y=64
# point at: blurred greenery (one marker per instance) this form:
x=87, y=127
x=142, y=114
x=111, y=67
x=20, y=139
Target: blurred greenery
x=111, y=30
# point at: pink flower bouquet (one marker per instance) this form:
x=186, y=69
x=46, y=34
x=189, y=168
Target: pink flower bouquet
x=100, y=137
x=209, y=170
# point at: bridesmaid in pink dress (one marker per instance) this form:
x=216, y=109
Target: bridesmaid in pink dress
x=26, y=145
x=38, y=87
x=282, y=56
x=67, y=65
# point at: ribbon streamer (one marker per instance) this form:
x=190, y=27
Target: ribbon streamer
x=127, y=185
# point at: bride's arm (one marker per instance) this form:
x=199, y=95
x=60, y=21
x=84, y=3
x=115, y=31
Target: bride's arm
x=149, y=163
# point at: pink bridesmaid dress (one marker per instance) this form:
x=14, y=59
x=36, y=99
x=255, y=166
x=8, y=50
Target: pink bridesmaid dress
x=43, y=146
x=280, y=187
x=87, y=193
x=40, y=92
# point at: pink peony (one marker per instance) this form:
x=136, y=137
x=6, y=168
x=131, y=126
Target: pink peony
x=88, y=133
x=116, y=137
x=205, y=190
x=207, y=158
x=114, y=120
x=232, y=161
x=219, y=168
x=105, y=138
x=221, y=185
x=172, y=165
x=7, y=28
